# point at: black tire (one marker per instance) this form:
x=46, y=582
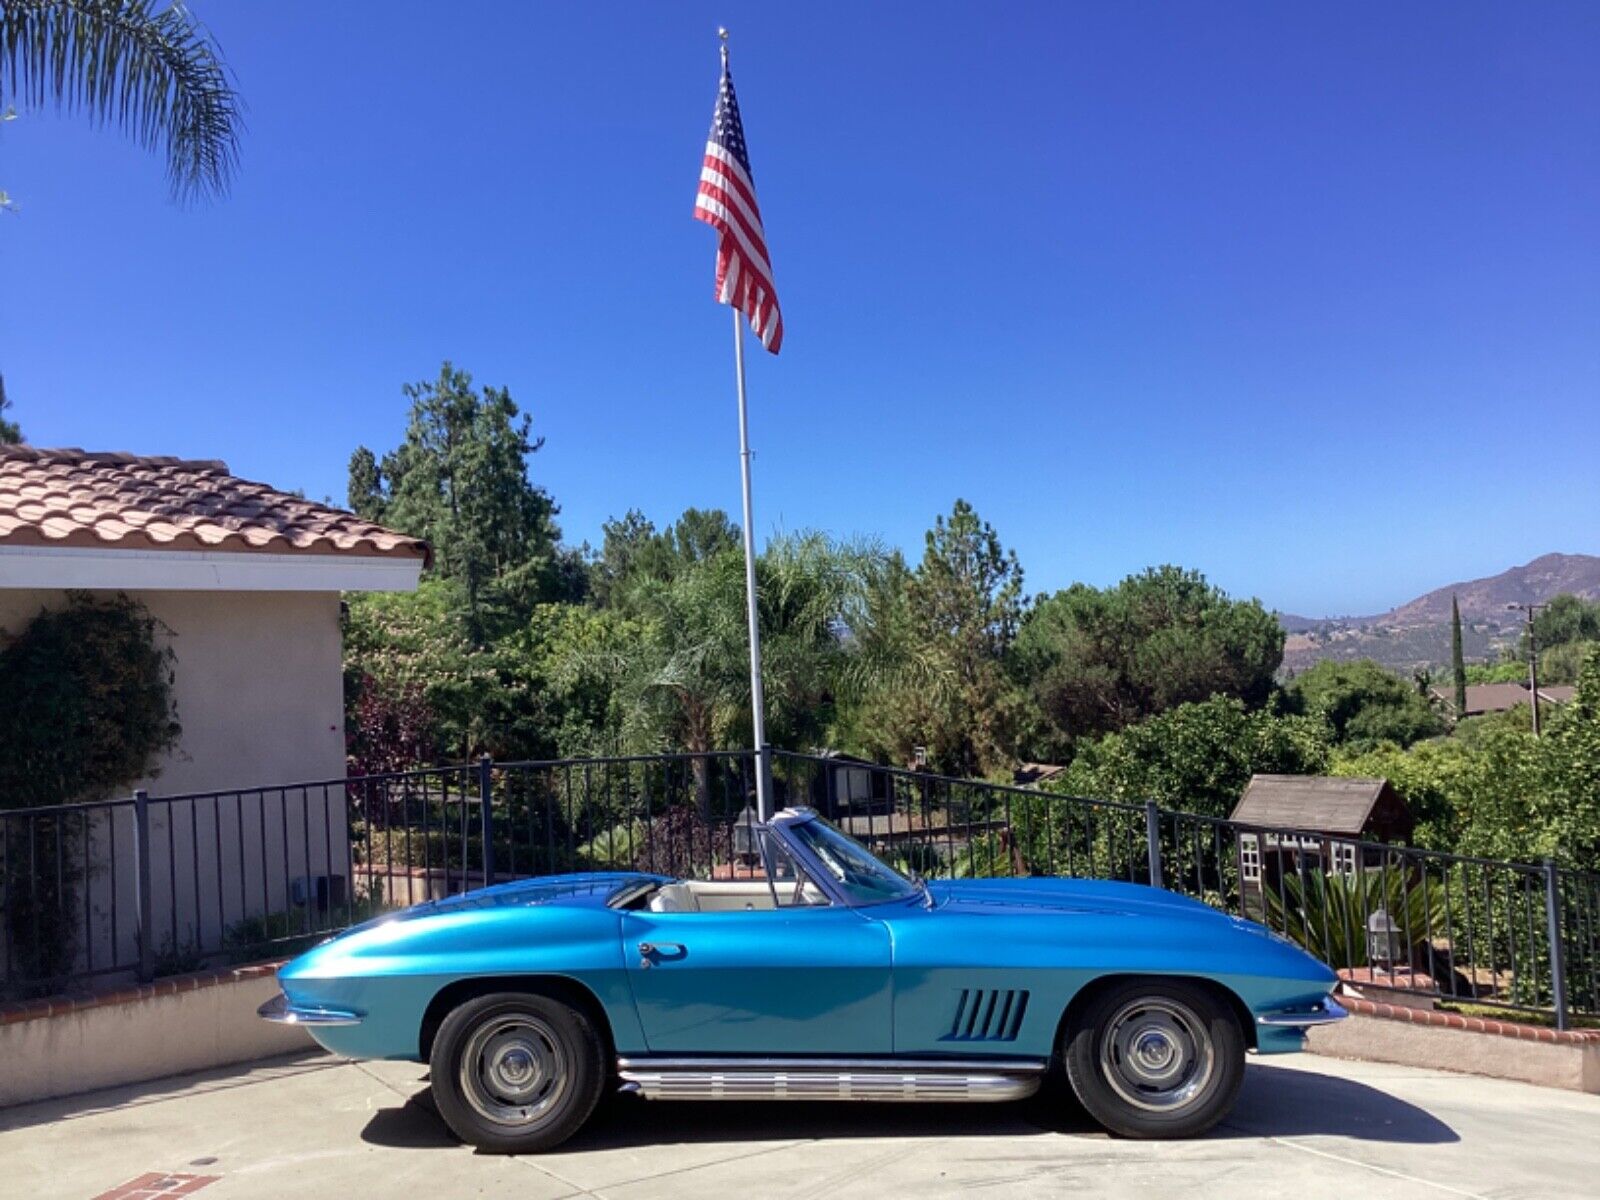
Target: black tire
x=516, y=1072
x=1155, y=1058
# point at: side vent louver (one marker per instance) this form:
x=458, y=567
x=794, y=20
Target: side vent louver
x=987, y=1015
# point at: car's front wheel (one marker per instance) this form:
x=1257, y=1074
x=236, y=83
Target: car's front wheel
x=516, y=1073
x=1155, y=1058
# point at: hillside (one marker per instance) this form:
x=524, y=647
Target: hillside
x=1417, y=633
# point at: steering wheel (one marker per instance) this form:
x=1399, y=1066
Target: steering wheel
x=798, y=899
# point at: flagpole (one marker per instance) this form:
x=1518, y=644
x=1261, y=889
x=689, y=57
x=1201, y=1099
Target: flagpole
x=758, y=702
x=758, y=699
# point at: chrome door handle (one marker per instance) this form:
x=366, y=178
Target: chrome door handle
x=648, y=951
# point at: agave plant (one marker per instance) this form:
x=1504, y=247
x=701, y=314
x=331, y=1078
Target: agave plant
x=1327, y=913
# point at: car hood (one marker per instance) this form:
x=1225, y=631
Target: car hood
x=1087, y=896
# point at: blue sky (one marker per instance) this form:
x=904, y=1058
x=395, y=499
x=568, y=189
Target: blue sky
x=1306, y=298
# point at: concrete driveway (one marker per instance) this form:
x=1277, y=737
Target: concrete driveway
x=319, y=1127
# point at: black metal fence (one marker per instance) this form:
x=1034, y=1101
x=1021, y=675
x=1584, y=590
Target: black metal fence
x=160, y=885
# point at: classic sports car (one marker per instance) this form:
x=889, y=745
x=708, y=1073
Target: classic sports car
x=823, y=975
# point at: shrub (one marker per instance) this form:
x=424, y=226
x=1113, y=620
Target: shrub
x=1327, y=912
x=88, y=709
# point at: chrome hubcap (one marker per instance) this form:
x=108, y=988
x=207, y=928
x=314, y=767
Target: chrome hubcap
x=1157, y=1054
x=513, y=1070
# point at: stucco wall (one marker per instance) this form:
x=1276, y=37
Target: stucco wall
x=258, y=684
x=258, y=690
x=165, y=1031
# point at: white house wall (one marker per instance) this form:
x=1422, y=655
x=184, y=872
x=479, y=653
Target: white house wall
x=258, y=692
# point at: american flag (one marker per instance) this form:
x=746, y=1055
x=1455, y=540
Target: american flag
x=727, y=201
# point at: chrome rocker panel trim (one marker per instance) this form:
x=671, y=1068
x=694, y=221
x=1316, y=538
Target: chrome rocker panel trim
x=1325, y=1013
x=896, y=1080
x=279, y=1011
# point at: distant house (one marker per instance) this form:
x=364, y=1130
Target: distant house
x=1288, y=822
x=1485, y=698
x=247, y=579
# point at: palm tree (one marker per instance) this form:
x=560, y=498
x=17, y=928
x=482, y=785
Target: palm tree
x=157, y=76
x=685, y=681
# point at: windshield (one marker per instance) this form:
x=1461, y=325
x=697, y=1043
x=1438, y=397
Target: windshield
x=862, y=877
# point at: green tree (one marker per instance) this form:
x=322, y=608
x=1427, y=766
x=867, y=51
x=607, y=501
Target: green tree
x=1565, y=619
x=10, y=431
x=634, y=551
x=1562, y=630
x=1196, y=757
x=364, y=492
x=1097, y=661
x=1561, y=664
x=1364, y=704
x=1479, y=795
x=583, y=658
x=1458, y=662
x=679, y=670
x=1572, y=769
x=156, y=75
x=955, y=617
x=483, y=697
x=460, y=480
x=690, y=674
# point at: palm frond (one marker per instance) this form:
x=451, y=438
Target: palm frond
x=156, y=76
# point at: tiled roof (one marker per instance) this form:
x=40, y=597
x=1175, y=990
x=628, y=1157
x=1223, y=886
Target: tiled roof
x=75, y=498
x=1500, y=697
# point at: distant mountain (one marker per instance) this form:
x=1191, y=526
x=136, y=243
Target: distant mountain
x=1482, y=599
x=1417, y=633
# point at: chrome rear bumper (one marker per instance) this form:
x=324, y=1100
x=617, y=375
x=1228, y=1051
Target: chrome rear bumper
x=1326, y=1012
x=279, y=1011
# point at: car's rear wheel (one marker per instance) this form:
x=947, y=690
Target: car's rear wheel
x=1155, y=1058
x=516, y=1073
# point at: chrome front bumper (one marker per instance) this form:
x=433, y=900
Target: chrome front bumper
x=279, y=1011
x=1326, y=1012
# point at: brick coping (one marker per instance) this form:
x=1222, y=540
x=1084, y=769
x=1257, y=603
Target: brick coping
x=1450, y=1020
x=172, y=985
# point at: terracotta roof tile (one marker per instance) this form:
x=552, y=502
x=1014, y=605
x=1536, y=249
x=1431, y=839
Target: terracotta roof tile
x=77, y=498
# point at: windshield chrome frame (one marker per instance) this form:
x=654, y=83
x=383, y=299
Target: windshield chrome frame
x=781, y=825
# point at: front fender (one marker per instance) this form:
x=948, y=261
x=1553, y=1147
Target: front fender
x=389, y=971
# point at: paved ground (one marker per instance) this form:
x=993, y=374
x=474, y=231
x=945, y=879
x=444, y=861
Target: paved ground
x=316, y=1127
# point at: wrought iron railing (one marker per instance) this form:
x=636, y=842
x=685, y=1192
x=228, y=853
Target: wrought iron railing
x=156, y=885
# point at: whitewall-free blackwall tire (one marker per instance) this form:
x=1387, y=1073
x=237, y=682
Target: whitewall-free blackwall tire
x=516, y=1073
x=1157, y=1058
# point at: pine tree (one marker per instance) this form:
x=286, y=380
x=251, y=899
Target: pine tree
x=9, y=430
x=1458, y=664
x=460, y=480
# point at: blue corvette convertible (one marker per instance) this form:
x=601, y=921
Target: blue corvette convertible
x=821, y=974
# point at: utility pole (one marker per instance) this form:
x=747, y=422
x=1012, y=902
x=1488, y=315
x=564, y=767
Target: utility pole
x=1533, y=660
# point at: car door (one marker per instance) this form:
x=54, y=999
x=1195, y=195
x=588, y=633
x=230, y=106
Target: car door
x=804, y=980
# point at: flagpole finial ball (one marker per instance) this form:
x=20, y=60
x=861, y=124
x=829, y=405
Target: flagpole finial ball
x=722, y=32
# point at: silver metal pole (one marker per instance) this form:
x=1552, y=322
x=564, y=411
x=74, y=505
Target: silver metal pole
x=758, y=703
